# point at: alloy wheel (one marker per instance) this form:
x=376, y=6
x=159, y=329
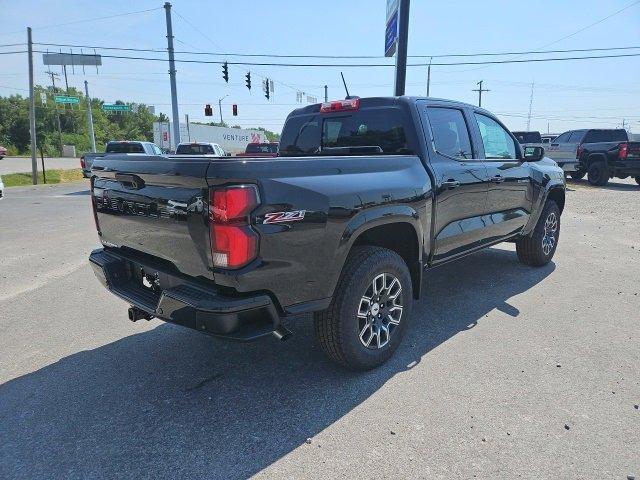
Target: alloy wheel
x=380, y=311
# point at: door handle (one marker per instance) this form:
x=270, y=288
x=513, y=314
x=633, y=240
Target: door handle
x=497, y=179
x=451, y=184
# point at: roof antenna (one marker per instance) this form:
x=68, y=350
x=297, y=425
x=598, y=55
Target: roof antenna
x=348, y=97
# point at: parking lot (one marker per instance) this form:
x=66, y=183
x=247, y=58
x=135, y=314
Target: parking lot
x=506, y=371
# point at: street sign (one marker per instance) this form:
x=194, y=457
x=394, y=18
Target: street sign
x=391, y=35
x=114, y=107
x=66, y=99
x=43, y=98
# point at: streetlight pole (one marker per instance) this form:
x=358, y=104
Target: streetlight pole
x=32, y=111
x=90, y=117
x=172, y=76
x=401, y=54
x=220, y=107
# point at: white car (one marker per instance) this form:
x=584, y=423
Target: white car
x=1, y=188
x=200, y=148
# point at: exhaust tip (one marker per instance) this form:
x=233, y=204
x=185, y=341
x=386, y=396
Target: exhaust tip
x=282, y=333
x=136, y=314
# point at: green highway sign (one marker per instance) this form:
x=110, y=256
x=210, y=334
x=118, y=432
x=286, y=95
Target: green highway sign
x=66, y=99
x=116, y=108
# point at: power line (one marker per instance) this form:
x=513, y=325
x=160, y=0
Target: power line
x=273, y=55
x=351, y=65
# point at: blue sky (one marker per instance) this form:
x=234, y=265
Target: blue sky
x=587, y=93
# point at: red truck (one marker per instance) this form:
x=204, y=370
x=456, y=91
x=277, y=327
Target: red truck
x=260, y=150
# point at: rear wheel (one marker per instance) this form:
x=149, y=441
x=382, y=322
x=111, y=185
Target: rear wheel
x=578, y=175
x=597, y=174
x=538, y=249
x=370, y=310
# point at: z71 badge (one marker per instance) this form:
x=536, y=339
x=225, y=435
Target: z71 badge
x=283, y=217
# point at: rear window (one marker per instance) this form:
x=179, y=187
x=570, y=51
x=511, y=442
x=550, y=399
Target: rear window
x=594, y=136
x=124, y=147
x=262, y=148
x=194, y=149
x=528, y=137
x=364, y=132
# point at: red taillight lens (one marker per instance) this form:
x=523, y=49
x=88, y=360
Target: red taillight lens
x=233, y=241
x=94, y=207
x=82, y=163
x=233, y=203
x=623, y=150
x=233, y=246
x=340, y=105
x=579, y=152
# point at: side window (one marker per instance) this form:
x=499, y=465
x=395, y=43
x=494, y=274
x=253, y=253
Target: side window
x=562, y=138
x=497, y=142
x=576, y=136
x=156, y=150
x=450, y=133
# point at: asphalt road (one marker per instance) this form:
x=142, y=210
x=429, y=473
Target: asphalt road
x=506, y=372
x=23, y=164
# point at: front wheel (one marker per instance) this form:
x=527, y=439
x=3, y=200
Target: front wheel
x=370, y=310
x=538, y=249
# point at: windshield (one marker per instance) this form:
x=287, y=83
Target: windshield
x=358, y=133
x=528, y=137
x=194, y=149
x=262, y=148
x=124, y=147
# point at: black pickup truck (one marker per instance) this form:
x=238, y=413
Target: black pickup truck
x=364, y=195
x=606, y=154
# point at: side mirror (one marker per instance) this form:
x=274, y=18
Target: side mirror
x=533, y=154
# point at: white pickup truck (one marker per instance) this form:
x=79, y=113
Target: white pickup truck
x=129, y=147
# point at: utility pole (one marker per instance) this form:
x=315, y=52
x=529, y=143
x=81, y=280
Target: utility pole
x=401, y=54
x=90, y=116
x=480, y=90
x=186, y=119
x=429, y=75
x=32, y=111
x=326, y=94
x=53, y=76
x=530, y=105
x=172, y=77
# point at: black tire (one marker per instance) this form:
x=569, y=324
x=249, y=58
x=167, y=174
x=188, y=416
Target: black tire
x=578, y=175
x=534, y=250
x=638, y=179
x=339, y=328
x=598, y=174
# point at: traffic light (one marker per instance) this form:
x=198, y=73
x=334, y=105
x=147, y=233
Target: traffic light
x=248, y=80
x=266, y=88
x=235, y=110
x=208, y=112
x=225, y=72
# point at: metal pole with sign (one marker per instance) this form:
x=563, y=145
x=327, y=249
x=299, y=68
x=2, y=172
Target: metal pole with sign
x=401, y=54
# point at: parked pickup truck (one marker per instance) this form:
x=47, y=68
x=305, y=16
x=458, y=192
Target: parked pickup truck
x=606, y=154
x=260, y=150
x=366, y=193
x=145, y=148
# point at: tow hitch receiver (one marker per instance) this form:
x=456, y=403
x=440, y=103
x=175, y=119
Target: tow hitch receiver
x=136, y=314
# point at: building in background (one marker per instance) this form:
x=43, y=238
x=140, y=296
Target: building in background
x=232, y=140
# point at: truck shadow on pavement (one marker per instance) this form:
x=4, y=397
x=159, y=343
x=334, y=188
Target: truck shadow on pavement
x=171, y=403
x=611, y=185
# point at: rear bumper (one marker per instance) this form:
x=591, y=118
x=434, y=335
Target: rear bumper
x=623, y=168
x=177, y=299
x=568, y=166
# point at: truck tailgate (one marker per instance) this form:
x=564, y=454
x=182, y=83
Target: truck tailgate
x=155, y=206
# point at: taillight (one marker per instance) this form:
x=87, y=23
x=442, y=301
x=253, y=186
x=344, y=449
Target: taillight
x=579, y=152
x=340, y=105
x=94, y=207
x=623, y=150
x=233, y=241
x=82, y=163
